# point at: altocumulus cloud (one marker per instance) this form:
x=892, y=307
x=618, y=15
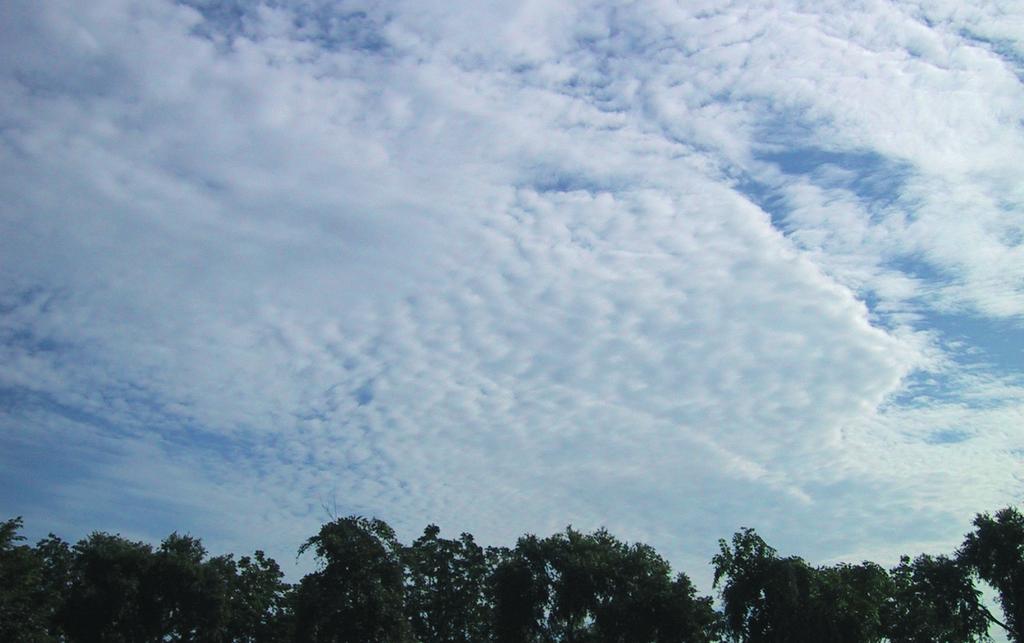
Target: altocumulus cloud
x=505, y=266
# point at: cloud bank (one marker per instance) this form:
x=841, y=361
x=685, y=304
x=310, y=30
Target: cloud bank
x=506, y=266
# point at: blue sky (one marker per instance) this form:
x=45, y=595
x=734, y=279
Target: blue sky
x=670, y=268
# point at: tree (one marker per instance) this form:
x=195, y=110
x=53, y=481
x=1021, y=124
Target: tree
x=746, y=568
x=357, y=593
x=188, y=594
x=578, y=587
x=260, y=606
x=934, y=601
x=107, y=599
x=995, y=552
x=571, y=587
x=583, y=567
x=849, y=602
x=56, y=560
x=445, y=582
x=768, y=598
x=520, y=589
x=608, y=590
x=23, y=613
x=685, y=617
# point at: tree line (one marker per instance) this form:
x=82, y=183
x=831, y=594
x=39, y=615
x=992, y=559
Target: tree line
x=571, y=587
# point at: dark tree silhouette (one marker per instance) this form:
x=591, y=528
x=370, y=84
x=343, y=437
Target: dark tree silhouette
x=520, y=588
x=849, y=602
x=445, y=583
x=934, y=600
x=768, y=598
x=23, y=613
x=747, y=567
x=575, y=587
x=260, y=601
x=191, y=595
x=56, y=559
x=108, y=588
x=109, y=598
x=571, y=587
x=357, y=594
x=995, y=551
x=607, y=590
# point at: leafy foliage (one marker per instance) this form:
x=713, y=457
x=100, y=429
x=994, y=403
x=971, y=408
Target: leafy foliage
x=574, y=586
x=933, y=599
x=22, y=617
x=995, y=551
x=445, y=583
x=927, y=599
x=357, y=594
x=261, y=609
x=108, y=588
x=571, y=587
x=520, y=588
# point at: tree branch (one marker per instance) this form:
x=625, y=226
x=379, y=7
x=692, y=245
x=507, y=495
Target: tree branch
x=995, y=620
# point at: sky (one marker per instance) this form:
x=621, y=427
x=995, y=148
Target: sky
x=672, y=268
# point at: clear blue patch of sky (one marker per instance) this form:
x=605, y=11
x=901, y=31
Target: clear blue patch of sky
x=993, y=348
x=876, y=180
x=997, y=344
x=992, y=343
x=767, y=198
x=553, y=179
x=31, y=470
x=364, y=394
x=947, y=436
x=921, y=389
x=913, y=266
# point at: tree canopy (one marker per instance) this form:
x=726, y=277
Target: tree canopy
x=572, y=587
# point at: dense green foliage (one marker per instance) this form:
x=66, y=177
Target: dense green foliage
x=995, y=551
x=570, y=587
